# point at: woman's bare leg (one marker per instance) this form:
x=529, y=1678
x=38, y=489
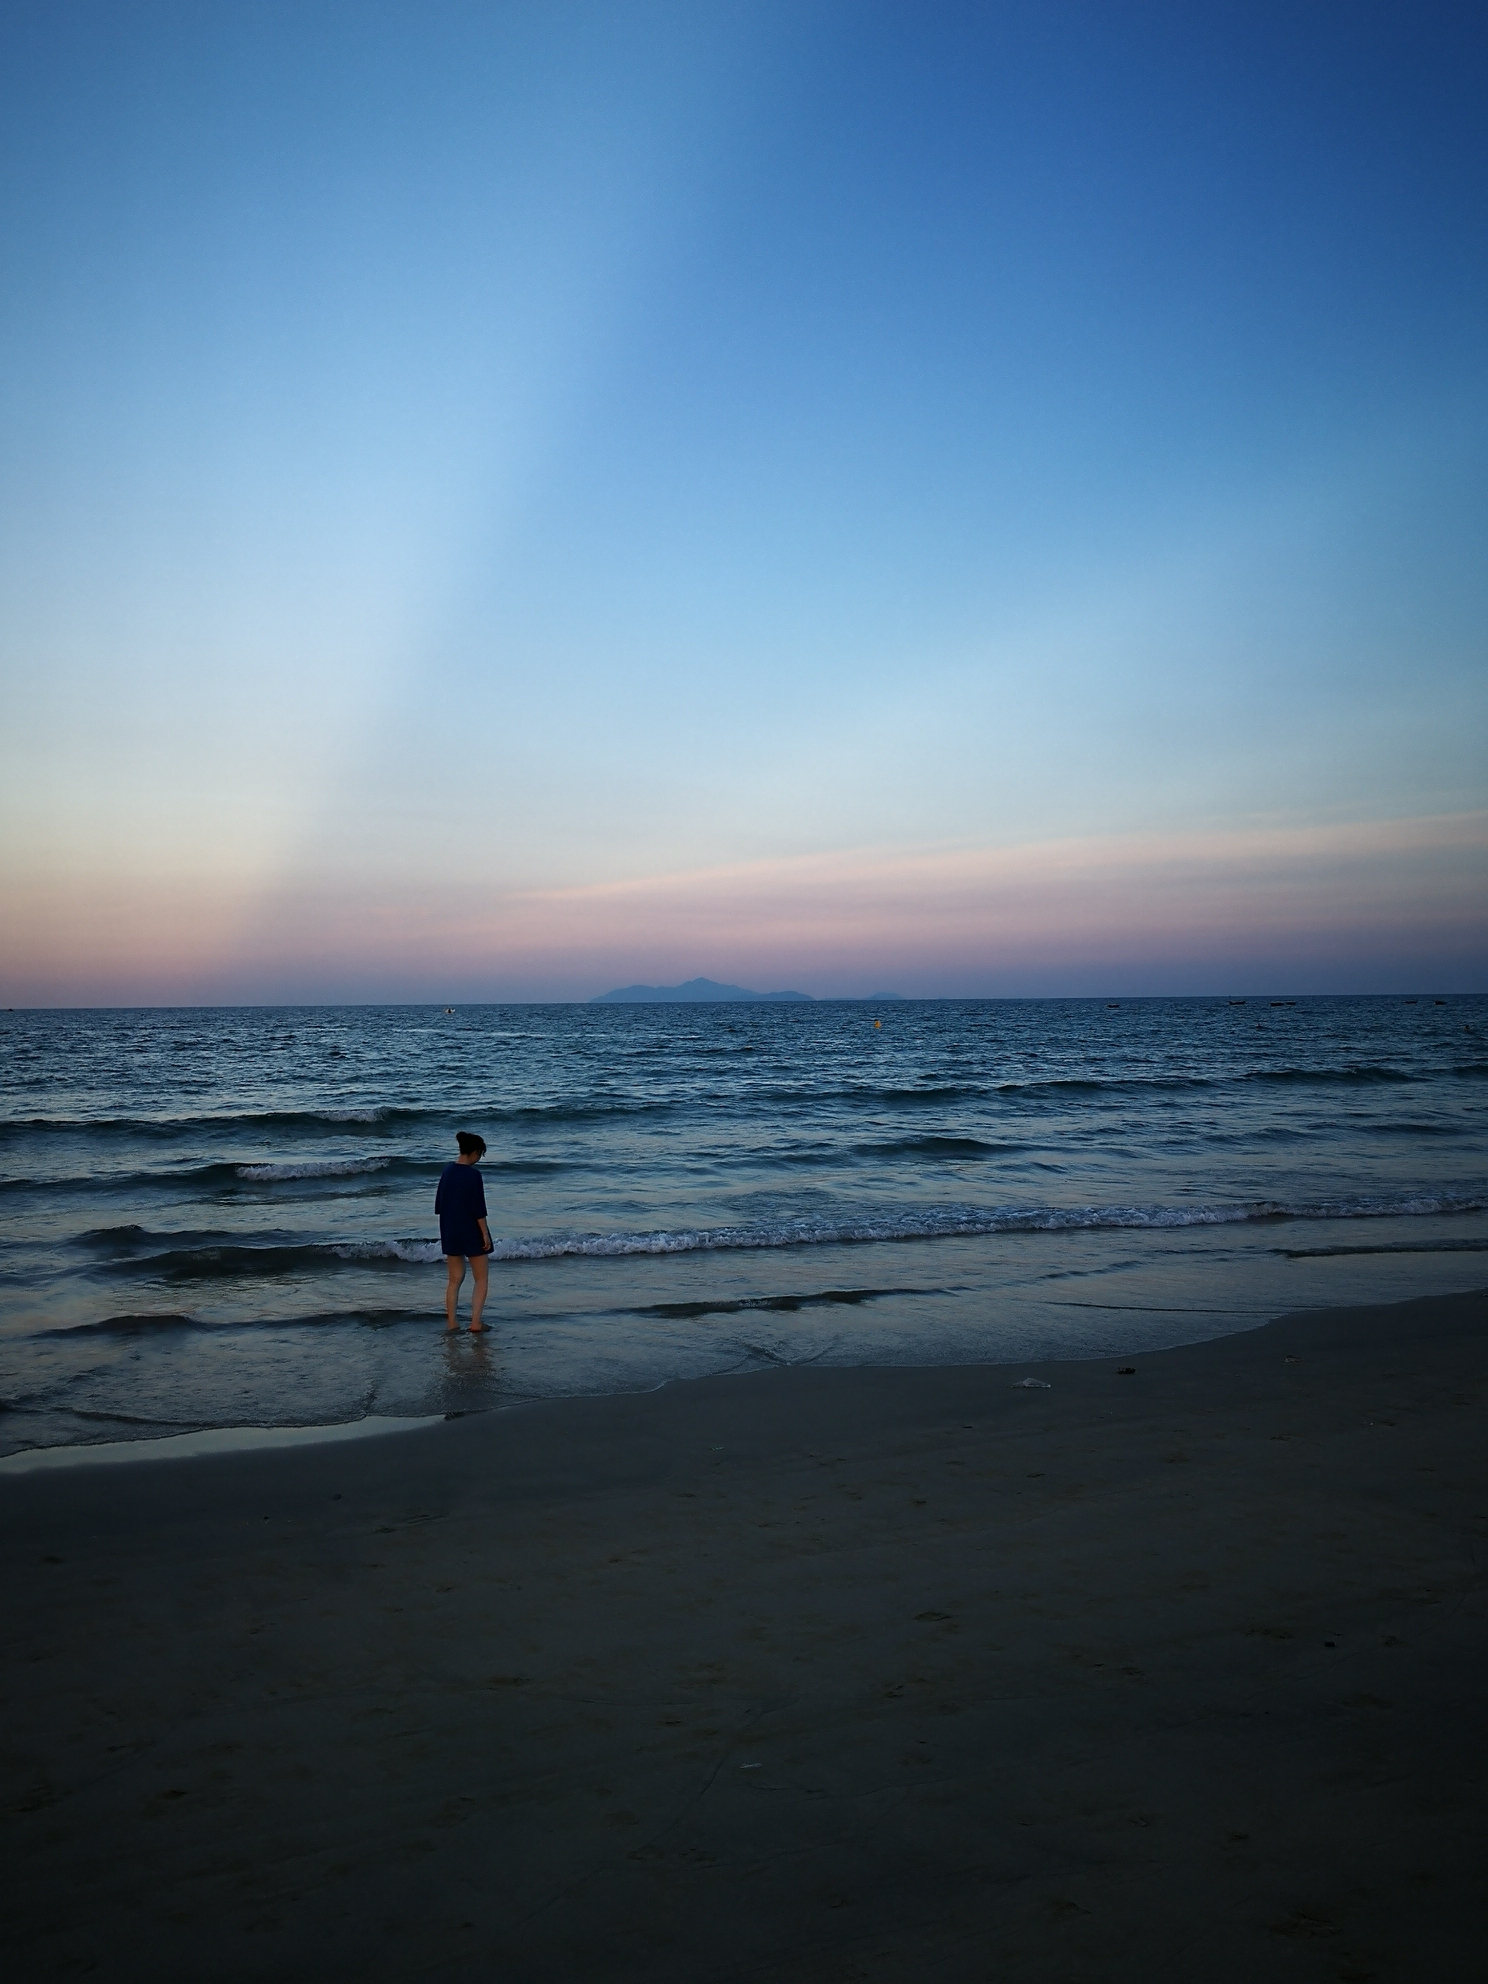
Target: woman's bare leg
x=481, y=1270
x=456, y=1265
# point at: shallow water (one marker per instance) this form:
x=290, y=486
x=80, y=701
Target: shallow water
x=226, y=1217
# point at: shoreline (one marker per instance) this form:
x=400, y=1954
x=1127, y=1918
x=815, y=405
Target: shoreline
x=838, y=1672
x=203, y=1440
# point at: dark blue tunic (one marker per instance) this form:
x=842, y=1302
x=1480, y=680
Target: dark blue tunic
x=460, y=1201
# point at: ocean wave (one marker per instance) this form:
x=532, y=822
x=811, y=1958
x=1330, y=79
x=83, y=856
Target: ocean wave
x=261, y=1172
x=1383, y=1127
x=210, y=1253
x=418, y=1252
x=241, y=1260
x=1094, y=1084
x=958, y=1222
x=1361, y=1075
x=149, y=1324
x=1433, y=1246
x=290, y=1169
x=131, y=1235
x=382, y=1117
x=136, y=1246
x=324, y=1167
x=1020, y=1089
x=227, y=1177
x=197, y=1257
x=134, y=1325
x=353, y=1117
x=1031, y=1087
x=385, y=1119
x=930, y=1092
x=933, y=1146
x=825, y=1298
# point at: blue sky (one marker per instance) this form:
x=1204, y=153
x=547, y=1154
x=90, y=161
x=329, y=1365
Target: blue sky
x=467, y=472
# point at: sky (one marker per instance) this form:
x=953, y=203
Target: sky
x=500, y=502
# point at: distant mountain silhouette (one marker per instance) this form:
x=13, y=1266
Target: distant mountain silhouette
x=697, y=991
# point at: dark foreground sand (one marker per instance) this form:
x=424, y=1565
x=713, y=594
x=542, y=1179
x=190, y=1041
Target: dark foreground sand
x=811, y=1676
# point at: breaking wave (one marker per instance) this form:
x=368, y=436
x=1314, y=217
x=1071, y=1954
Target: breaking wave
x=355, y=1116
x=387, y=1118
x=957, y=1222
x=327, y=1167
x=206, y=1257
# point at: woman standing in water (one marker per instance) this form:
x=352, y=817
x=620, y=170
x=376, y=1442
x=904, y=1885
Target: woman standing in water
x=463, y=1233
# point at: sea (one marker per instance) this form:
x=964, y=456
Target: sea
x=225, y=1218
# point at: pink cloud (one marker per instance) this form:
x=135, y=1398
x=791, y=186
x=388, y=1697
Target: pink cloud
x=1317, y=907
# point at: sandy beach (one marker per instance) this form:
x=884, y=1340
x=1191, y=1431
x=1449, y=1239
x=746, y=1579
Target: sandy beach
x=816, y=1674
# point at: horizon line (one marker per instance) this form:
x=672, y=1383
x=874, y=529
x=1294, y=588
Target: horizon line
x=761, y=999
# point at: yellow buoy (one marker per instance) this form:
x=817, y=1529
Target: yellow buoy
x=878, y=1022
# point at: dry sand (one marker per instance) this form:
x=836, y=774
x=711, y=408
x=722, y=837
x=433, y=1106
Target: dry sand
x=815, y=1675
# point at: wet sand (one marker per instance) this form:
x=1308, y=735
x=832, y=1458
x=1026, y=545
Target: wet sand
x=812, y=1675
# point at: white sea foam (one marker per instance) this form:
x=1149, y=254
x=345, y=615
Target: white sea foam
x=418, y=1251
x=329, y=1167
x=952, y=1222
x=933, y=1223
